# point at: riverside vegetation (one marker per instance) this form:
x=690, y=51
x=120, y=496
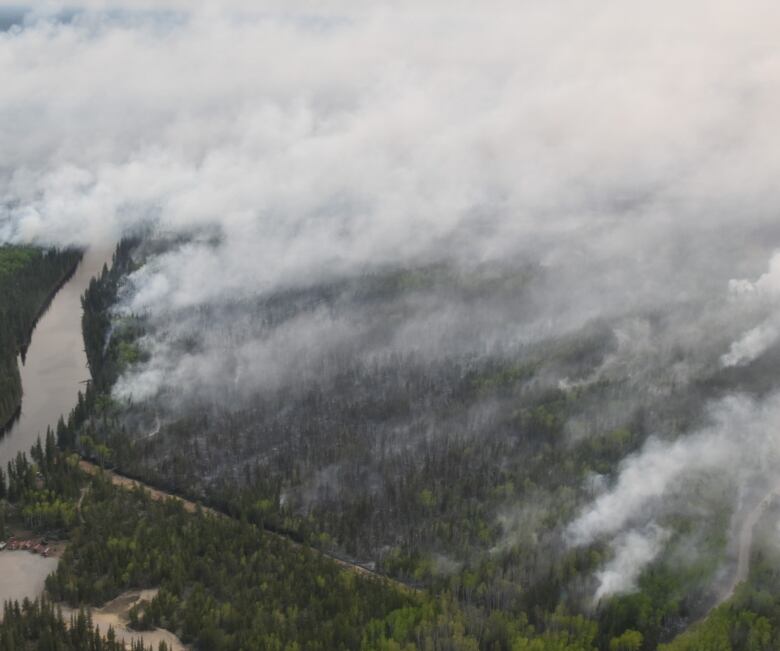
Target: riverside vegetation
x=28, y=277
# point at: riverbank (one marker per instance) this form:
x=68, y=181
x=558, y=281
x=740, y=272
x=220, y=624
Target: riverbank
x=66, y=277
x=25, y=563
x=10, y=421
x=10, y=410
x=55, y=366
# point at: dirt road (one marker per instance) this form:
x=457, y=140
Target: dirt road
x=745, y=544
x=190, y=506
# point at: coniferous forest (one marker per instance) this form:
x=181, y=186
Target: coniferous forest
x=254, y=572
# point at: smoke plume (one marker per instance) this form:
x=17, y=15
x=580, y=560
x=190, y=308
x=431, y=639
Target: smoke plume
x=549, y=166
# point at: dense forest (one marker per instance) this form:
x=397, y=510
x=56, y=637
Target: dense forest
x=40, y=626
x=28, y=279
x=453, y=473
x=225, y=584
x=465, y=579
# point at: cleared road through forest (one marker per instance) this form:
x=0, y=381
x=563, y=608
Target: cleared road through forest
x=745, y=544
x=190, y=506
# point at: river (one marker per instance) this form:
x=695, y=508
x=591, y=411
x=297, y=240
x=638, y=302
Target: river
x=55, y=367
x=53, y=372
x=23, y=575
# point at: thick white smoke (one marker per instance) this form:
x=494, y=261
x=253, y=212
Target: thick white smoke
x=317, y=141
x=629, y=151
x=303, y=144
x=764, y=293
x=633, y=551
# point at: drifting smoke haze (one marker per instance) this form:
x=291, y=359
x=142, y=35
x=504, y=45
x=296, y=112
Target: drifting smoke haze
x=765, y=292
x=633, y=551
x=614, y=165
x=741, y=444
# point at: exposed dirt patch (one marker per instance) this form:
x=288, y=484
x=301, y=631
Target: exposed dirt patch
x=115, y=614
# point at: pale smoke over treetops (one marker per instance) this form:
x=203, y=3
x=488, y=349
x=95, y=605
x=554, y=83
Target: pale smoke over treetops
x=633, y=550
x=765, y=292
x=742, y=445
x=628, y=153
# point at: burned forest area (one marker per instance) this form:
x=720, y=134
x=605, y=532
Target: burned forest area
x=389, y=325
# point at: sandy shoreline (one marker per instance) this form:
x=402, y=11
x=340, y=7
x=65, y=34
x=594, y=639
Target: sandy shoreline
x=23, y=575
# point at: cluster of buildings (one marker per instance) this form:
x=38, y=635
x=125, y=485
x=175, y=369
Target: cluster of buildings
x=36, y=547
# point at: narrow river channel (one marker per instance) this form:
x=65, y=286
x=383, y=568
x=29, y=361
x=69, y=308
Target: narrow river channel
x=55, y=367
x=54, y=371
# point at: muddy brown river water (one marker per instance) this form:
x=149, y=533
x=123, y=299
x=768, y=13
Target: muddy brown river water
x=22, y=574
x=52, y=374
x=55, y=367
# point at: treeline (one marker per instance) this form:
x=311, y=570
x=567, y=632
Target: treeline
x=40, y=626
x=43, y=490
x=100, y=344
x=29, y=277
x=223, y=584
x=226, y=585
x=96, y=325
